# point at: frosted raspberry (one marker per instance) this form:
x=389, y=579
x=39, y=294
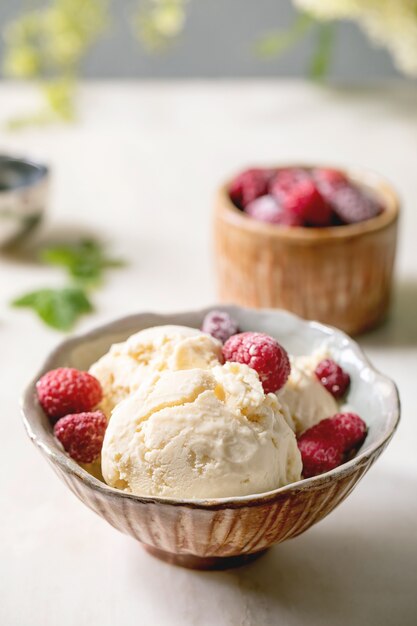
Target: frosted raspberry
x=326, y=445
x=268, y=209
x=286, y=178
x=263, y=354
x=249, y=185
x=219, y=325
x=305, y=200
x=350, y=203
x=319, y=456
x=82, y=435
x=351, y=428
x=330, y=176
x=332, y=377
x=68, y=390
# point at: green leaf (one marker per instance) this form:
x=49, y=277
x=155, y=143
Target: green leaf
x=276, y=42
x=84, y=261
x=320, y=62
x=59, y=308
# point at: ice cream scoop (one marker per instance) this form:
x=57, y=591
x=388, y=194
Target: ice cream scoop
x=308, y=402
x=200, y=433
x=123, y=368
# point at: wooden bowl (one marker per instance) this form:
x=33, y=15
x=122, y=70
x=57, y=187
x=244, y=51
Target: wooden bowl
x=340, y=275
x=222, y=532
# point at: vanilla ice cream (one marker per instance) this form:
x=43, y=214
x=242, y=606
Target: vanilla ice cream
x=307, y=401
x=200, y=433
x=122, y=369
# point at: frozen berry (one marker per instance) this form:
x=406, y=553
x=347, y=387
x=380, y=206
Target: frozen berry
x=332, y=377
x=286, y=178
x=263, y=354
x=268, y=209
x=219, y=325
x=306, y=202
x=351, y=428
x=351, y=204
x=68, y=390
x=319, y=455
x=329, y=176
x=326, y=445
x=249, y=185
x=82, y=435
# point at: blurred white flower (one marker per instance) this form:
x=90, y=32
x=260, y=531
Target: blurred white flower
x=391, y=23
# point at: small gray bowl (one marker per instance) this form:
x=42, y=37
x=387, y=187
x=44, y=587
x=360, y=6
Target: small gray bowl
x=223, y=532
x=24, y=187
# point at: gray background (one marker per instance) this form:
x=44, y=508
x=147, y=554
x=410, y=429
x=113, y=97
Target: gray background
x=218, y=41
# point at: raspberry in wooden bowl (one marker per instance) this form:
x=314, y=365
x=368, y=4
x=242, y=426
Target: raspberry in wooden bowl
x=317, y=241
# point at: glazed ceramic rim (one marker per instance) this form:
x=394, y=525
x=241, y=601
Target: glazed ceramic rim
x=41, y=170
x=300, y=234
x=28, y=404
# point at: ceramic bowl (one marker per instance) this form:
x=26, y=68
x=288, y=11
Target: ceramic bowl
x=340, y=275
x=223, y=532
x=24, y=187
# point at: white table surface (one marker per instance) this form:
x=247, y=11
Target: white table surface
x=140, y=168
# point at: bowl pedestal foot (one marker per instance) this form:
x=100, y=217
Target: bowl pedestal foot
x=192, y=561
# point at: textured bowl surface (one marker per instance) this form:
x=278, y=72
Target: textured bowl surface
x=339, y=275
x=227, y=531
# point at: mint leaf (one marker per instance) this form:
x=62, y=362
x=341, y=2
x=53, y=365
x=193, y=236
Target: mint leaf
x=59, y=308
x=84, y=261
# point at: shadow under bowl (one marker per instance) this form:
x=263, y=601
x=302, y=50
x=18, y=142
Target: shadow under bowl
x=223, y=532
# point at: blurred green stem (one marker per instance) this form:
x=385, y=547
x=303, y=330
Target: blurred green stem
x=276, y=42
x=320, y=63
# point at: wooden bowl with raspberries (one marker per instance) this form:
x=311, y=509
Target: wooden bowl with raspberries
x=314, y=240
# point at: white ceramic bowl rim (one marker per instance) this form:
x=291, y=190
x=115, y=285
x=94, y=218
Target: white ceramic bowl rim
x=30, y=407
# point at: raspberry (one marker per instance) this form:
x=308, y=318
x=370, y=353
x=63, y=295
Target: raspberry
x=249, y=185
x=319, y=456
x=332, y=377
x=82, y=435
x=350, y=203
x=306, y=202
x=327, y=444
x=268, y=209
x=351, y=428
x=67, y=390
x=219, y=325
x=330, y=176
x=286, y=178
x=263, y=354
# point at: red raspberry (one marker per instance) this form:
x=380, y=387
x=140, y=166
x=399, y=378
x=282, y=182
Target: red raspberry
x=286, y=178
x=219, y=325
x=304, y=200
x=351, y=428
x=264, y=354
x=326, y=445
x=350, y=203
x=268, y=209
x=329, y=175
x=319, y=456
x=332, y=377
x=82, y=435
x=249, y=185
x=67, y=390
